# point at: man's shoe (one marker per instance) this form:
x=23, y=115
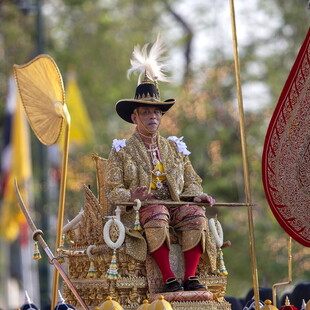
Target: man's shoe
x=192, y=284
x=172, y=285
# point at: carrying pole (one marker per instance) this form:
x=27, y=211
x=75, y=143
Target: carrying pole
x=244, y=156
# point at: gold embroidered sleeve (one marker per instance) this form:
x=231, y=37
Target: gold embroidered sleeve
x=192, y=182
x=115, y=187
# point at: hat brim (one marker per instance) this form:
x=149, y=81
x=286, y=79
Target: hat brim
x=125, y=107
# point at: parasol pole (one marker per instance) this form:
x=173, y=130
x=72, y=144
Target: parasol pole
x=244, y=156
x=63, y=111
x=289, y=267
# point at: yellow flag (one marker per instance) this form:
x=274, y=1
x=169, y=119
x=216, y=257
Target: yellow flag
x=11, y=215
x=81, y=131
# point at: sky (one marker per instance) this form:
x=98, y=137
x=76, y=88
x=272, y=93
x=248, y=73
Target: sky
x=251, y=24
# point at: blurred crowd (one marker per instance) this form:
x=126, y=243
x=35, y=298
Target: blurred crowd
x=300, y=293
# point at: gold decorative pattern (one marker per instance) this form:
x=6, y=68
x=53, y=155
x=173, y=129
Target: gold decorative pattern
x=101, y=171
x=130, y=168
x=138, y=280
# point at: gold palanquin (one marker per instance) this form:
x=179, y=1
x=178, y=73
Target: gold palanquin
x=139, y=280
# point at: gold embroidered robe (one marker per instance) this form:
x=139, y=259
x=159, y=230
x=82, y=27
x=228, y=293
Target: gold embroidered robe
x=130, y=167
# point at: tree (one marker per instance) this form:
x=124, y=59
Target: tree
x=97, y=38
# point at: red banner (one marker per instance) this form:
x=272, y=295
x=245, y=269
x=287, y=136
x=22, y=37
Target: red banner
x=286, y=155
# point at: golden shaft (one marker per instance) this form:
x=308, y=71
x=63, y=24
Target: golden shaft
x=244, y=156
x=177, y=203
x=62, y=195
x=289, y=265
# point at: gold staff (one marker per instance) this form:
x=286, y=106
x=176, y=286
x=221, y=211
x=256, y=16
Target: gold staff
x=244, y=156
x=177, y=203
x=61, y=204
x=42, y=93
x=289, y=267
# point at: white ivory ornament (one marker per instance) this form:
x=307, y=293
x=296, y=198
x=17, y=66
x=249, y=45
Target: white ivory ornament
x=217, y=231
x=106, y=234
x=138, y=204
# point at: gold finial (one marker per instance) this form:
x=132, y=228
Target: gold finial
x=146, y=78
x=36, y=252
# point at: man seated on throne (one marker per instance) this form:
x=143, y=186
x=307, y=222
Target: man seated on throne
x=148, y=166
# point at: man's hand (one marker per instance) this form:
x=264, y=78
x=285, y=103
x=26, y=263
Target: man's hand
x=139, y=193
x=205, y=198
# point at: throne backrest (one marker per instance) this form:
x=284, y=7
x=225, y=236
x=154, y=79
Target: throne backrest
x=101, y=165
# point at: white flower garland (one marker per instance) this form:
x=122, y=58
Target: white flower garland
x=217, y=232
x=106, y=234
x=182, y=147
x=118, y=144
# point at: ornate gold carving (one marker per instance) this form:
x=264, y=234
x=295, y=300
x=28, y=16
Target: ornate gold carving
x=133, y=285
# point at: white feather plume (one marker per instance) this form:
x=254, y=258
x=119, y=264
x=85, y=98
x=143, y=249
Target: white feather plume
x=150, y=63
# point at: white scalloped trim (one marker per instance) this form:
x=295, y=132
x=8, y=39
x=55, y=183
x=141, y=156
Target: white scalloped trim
x=217, y=232
x=106, y=234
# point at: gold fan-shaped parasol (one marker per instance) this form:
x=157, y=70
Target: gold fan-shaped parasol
x=42, y=93
x=41, y=89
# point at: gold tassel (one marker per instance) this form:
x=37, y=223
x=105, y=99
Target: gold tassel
x=91, y=271
x=112, y=272
x=137, y=225
x=223, y=271
x=61, y=258
x=36, y=252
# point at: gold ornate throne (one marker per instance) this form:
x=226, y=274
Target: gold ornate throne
x=89, y=259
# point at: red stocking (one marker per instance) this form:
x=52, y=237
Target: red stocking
x=192, y=257
x=161, y=257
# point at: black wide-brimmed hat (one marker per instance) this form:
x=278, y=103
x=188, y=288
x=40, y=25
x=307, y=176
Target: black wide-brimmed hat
x=147, y=93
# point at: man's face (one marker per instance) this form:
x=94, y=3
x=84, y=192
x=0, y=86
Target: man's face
x=148, y=120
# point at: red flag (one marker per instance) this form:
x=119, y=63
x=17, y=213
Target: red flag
x=286, y=155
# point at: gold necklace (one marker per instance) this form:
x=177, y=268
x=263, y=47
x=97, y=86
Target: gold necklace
x=151, y=148
x=154, y=136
